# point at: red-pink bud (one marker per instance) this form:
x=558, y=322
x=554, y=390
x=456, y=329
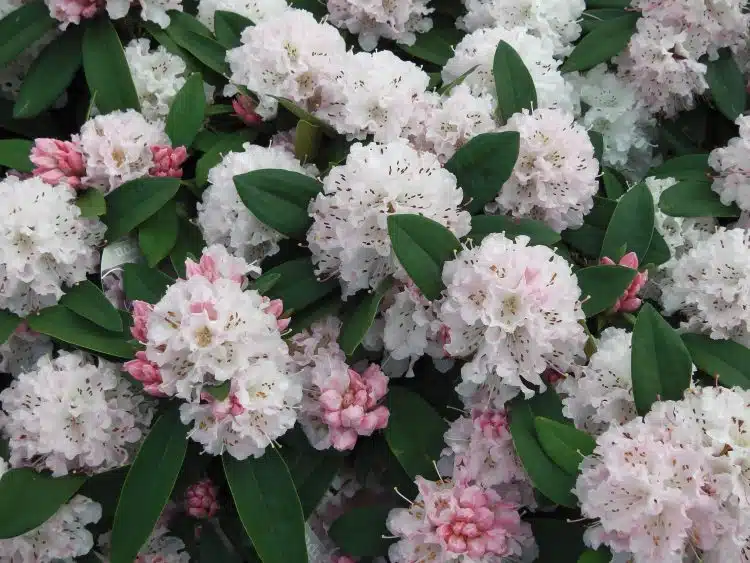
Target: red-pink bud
x=200, y=499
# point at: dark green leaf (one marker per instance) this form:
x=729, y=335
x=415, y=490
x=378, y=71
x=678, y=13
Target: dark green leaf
x=422, y=246
x=21, y=28
x=63, y=324
x=689, y=166
x=28, y=499
x=360, y=318
x=483, y=165
x=726, y=84
x=513, y=83
x=132, y=203
x=597, y=141
x=563, y=443
x=435, y=46
x=445, y=89
x=265, y=282
x=213, y=549
x=658, y=251
x=221, y=147
x=360, y=531
x=91, y=203
x=306, y=141
x=107, y=71
x=694, y=198
x=602, y=286
x=599, y=556
x=330, y=305
x=148, y=485
x=602, y=43
x=142, y=283
x=8, y=324
x=660, y=363
x=592, y=18
x=302, y=113
x=218, y=392
x=228, y=27
x=14, y=153
x=205, y=49
x=724, y=359
x=157, y=235
x=632, y=224
x=279, y=198
x=538, y=232
x=586, y=239
x=312, y=489
x=594, y=4
x=189, y=241
x=612, y=185
x=546, y=476
x=268, y=506
x=298, y=286
x=414, y=432
x=601, y=214
x=183, y=20
x=559, y=540
x=186, y=114
x=50, y=74
x=315, y=7
x=88, y=301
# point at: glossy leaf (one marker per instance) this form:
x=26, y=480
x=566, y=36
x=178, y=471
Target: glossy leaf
x=683, y=167
x=602, y=286
x=88, y=301
x=563, y=443
x=602, y=43
x=693, y=197
x=142, y=283
x=723, y=359
x=204, y=48
x=14, y=153
x=298, y=286
x=436, y=45
x=537, y=231
x=132, y=203
x=632, y=224
x=157, y=235
x=360, y=531
x=186, y=114
x=513, y=83
x=91, y=203
x=726, y=84
x=21, y=28
x=228, y=28
x=358, y=321
x=189, y=242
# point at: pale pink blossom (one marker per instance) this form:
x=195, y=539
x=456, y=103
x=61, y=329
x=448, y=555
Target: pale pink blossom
x=73, y=11
x=216, y=263
x=58, y=161
x=244, y=107
x=168, y=161
x=141, y=311
x=200, y=499
x=276, y=308
x=146, y=372
x=629, y=301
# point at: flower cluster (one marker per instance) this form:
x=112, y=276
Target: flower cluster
x=75, y=11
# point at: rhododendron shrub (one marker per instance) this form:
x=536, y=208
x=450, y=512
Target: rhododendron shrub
x=377, y=281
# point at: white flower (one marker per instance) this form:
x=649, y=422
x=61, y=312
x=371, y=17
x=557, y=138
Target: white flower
x=151, y=10
x=158, y=75
x=553, y=19
x=555, y=177
x=22, y=350
x=254, y=10
x=117, y=147
x=733, y=168
x=711, y=285
x=222, y=216
x=478, y=49
x=514, y=310
x=44, y=244
x=399, y=20
x=349, y=235
x=616, y=112
x=71, y=414
x=602, y=391
x=291, y=56
x=160, y=547
x=60, y=538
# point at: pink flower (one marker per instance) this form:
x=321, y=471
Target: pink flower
x=491, y=423
x=276, y=308
x=352, y=410
x=168, y=161
x=73, y=11
x=200, y=499
x=629, y=301
x=216, y=263
x=244, y=107
x=221, y=409
x=58, y=161
x=146, y=372
x=141, y=311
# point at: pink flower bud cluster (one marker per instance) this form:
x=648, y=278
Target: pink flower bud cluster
x=629, y=302
x=168, y=161
x=201, y=499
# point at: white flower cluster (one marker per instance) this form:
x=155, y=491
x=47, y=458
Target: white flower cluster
x=349, y=235
x=44, y=244
x=254, y=10
x=22, y=350
x=222, y=216
x=732, y=166
x=675, y=483
x=72, y=414
x=512, y=310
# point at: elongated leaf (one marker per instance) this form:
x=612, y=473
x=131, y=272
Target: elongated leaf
x=622, y=4
x=551, y=480
x=279, y=198
x=183, y=20
x=228, y=28
x=612, y=185
x=590, y=19
x=422, y=246
x=602, y=43
x=658, y=251
x=632, y=224
x=414, y=432
x=683, y=167
x=132, y=203
x=157, y=235
x=694, y=197
x=21, y=28
x=314, y=487
x=205, y=49
x=8, y=324
x=306, y=141
x=436, y=45
x=88, y=301
x=483, y=165
x=268, y=506
x=14, y=153
x=726, y=84
x=63, y=324
x=359, y=320
x=538, y=232
x=597, y=141
x=513, y=83
x=189, y=241
x=360, y=532
x=586, y=239
x=50, y=74
x=107, y=71
x=213, y=549
x=563, y=443
x=298, y=287
x=141, y=283
x=559, y=540
x=148, y=485
x=28, y=499
x=187, y=112
x=602, y=286
x=726, y=360
x=305, y=115
x=660, y=362
x=91, y=203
